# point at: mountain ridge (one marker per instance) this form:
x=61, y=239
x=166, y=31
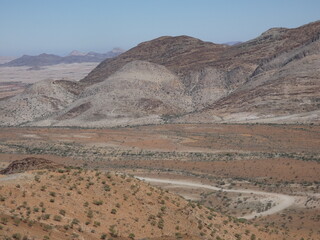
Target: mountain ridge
x=75, y=56
x=271, y=78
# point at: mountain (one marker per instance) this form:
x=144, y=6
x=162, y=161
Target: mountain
x=51, y=59
x=272, y=78
x=40, y=60
x=77, y=53
x=232, y=43
x=283, y=88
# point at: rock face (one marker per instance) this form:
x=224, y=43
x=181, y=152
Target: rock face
x=27, y=164
x=272, y=78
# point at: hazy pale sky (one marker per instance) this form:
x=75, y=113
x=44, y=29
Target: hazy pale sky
x=60, y=26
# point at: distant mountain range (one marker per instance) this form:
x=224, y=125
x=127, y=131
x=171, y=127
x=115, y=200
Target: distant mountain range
x=272, y=78
x=51, y=59
x=232, y=43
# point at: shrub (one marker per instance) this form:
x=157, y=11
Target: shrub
x=57, y=218
x=37, y=178
x=161, y=224
x=45, y=216
x=62, y=212
x=114, y=211
x=253, y=237
x=16, y=236
x=96, y=224
x=238, y=236
x=113, y=231
x=103, y=236
x=52, y=194
x=16, y=221
x=75, y=221
x=90, y=214
x=96, y=202
x=178, y=235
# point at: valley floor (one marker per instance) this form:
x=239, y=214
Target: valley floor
x=242, y=159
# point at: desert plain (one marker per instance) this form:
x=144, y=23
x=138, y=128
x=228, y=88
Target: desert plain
x=13, y=80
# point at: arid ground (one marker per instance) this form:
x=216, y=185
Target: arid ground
x=14, y=80
x=273, y=159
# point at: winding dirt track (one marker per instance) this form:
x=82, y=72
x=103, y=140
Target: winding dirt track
x=281, y=201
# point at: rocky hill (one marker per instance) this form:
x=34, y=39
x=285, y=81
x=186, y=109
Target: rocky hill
x=284, y=88
x=272, y=78
x=139, y=93
x=39, y=100
x=81, y=204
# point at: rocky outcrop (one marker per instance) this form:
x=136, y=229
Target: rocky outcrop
x=30, y=163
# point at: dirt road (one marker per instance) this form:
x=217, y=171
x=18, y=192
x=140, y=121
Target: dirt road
x=281, y=201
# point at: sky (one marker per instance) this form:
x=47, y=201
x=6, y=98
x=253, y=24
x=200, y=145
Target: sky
x=60, y=26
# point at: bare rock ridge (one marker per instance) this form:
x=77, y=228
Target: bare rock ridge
x=272, y=78
x=283, y=88
x=30, y=163
x=178, y=54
